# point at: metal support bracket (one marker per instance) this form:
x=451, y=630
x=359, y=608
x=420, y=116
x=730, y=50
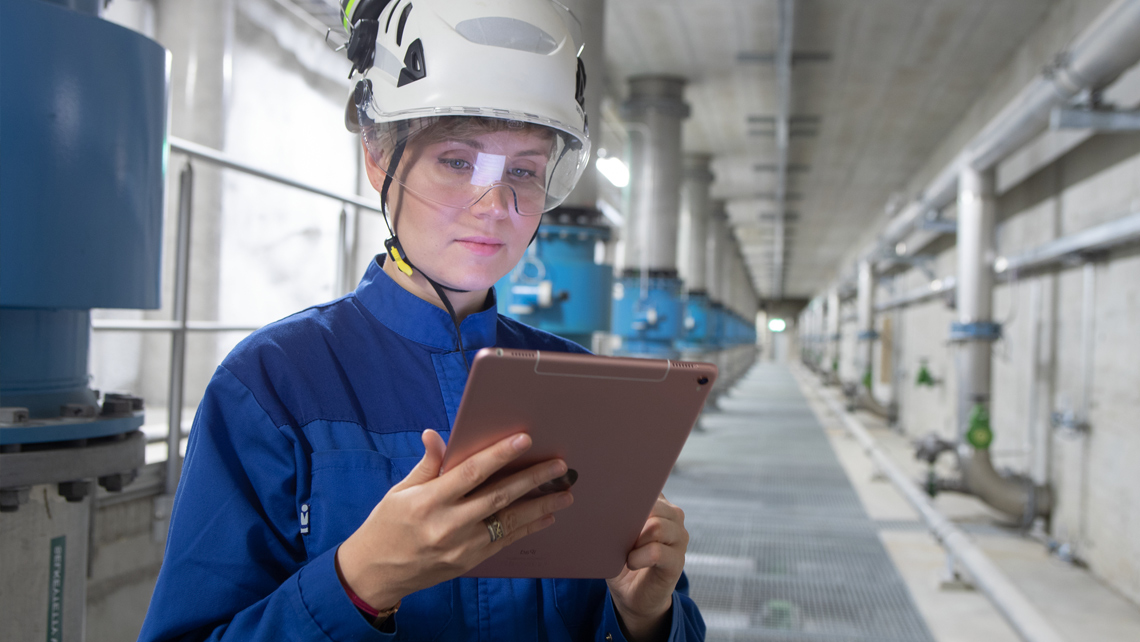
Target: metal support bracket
x=1102, y=120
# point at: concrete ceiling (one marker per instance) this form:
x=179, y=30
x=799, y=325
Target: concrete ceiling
x=876, y=86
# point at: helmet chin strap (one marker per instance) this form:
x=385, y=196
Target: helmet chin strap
x=396, y=251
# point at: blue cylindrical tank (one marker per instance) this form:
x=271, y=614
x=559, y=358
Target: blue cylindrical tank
x=558, y=286
x=83, y=105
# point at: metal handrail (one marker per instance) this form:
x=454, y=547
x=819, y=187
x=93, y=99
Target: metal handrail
x=210, y=155
x=180, y=325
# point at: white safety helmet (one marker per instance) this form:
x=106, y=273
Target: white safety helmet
x=515, y=62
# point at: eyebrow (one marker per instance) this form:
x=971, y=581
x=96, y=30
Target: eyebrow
x=478, y=146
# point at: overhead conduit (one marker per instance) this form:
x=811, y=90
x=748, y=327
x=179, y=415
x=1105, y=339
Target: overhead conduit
x=1103, y=51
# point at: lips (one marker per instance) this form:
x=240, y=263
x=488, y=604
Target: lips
x=481, y=245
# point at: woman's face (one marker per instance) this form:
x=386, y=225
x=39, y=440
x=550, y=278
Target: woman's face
x=472, y=247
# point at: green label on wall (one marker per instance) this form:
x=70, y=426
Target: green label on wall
x=55, y=589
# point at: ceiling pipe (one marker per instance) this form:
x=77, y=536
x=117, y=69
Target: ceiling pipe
x=1097, y=57
x=783, y=115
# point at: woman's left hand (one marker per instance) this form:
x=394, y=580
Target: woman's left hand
x=643, y=592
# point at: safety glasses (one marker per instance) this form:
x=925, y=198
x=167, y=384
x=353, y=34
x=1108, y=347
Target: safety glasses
x=458, y=161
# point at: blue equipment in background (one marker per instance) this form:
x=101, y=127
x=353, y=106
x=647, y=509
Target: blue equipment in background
x=699, y=324
x=83, y=105
x=559, y=286
x=648, y=314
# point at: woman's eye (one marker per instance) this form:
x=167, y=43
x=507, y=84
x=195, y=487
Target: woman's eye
x=520, y=173
x=456, y=163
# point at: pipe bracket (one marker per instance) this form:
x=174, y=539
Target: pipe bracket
x=977, y=331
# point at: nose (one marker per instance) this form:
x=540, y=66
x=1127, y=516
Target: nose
x=496, y=202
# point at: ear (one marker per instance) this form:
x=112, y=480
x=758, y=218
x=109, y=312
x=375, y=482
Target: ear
x=372, y=167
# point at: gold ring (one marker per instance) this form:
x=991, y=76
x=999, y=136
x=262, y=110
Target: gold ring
x=495, y=527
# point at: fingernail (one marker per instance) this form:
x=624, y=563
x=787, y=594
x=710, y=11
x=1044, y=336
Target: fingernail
x=558, y=469
x=564, y=500
x=520, y=442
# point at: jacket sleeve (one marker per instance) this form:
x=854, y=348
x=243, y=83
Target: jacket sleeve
x=235, y=566
x=687, y=626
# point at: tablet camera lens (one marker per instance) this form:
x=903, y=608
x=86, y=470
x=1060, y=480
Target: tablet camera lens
x=702, y=380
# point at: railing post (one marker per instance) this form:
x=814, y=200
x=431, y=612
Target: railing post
x=178, y=336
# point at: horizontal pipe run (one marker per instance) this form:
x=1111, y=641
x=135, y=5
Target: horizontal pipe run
x=1105, y=49
x=1025, y=619
x=935, y=289
x=1106, y=236
x=216, y=157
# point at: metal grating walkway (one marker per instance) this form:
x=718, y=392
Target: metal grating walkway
x=780, y=547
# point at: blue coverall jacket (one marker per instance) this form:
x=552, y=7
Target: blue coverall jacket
x=303, y=429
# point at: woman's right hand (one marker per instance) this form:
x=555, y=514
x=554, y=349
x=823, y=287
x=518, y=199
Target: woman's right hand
x=428, y=530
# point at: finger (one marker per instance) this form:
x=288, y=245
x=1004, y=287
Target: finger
x=655, y=555
x=510, y=537
x=475, y=470
x=518, y=517
x=495, y=498
x=664, y=508
x=428, y=467
x=664, y=531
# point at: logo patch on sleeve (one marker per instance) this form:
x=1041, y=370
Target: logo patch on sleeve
x=304, y=519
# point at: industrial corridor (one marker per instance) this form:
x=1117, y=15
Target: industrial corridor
x=781, y=547
x=252, y=252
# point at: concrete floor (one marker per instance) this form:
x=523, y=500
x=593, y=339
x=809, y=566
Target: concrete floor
x=1080, y=607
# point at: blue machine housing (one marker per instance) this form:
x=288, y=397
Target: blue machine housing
x=648, y=314
x=558, y=286
x=83, y=106
x=699, y=323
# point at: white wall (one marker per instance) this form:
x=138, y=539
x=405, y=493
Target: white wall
x=1094, y=476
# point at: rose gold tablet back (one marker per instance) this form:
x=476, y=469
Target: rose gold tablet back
x=620, y=423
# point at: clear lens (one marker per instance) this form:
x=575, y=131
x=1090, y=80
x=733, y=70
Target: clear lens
x=456, y=161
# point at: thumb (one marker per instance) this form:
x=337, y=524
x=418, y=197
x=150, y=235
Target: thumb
x=428, y=467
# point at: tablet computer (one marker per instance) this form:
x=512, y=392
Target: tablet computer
x=619, y=423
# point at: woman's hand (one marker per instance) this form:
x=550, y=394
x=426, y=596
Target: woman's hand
x=643, y=592
x=428, y=530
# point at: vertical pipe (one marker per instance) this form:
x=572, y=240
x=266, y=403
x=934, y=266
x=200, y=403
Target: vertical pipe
x=656, y=104
x=697, y=205
x=974, y=333
x=866, y=312
x=1037, y=430
x=178, y=337
x=833, y=333
x=591, y=15
x=1088, y=341
x=340, y=281
x=976, y=213
x=649, y=315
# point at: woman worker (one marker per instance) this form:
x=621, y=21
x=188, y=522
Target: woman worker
x=311, y=505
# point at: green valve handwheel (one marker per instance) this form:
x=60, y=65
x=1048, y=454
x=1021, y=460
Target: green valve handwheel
x=978, y=433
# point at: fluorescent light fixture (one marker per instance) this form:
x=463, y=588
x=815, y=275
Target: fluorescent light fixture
x=614, y=170
x=777, y=325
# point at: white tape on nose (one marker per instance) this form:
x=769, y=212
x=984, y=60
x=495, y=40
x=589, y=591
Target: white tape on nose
x=488, y=169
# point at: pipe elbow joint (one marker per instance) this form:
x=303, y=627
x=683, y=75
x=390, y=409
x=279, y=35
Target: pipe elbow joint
x=1015, y=495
